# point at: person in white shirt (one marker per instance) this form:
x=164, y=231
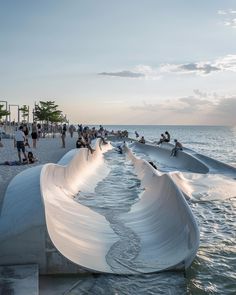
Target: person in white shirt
x=20, y=143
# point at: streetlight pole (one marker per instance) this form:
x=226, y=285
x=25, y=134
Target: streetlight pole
x=28, y=116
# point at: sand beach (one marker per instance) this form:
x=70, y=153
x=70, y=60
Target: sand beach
x=48, y=150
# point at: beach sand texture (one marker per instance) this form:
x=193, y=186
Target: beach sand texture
x=48, y=150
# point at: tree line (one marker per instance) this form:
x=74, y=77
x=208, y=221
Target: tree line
x=44, y=111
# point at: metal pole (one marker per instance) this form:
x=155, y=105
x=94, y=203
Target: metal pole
x=18, y=115
x=28, y=115
x=9, y=110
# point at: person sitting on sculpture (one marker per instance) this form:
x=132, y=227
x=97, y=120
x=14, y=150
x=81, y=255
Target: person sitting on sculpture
x=142, y=140
x=178, y=147
x=162, y=139
x=167, y=135
x=119, y=149
x=87, y=140
x=152, y=164
x=80, y=143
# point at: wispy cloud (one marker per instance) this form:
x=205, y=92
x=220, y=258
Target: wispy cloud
x=201, y=68
x=140, y=71
x=229, y=17
x=126, y=74
x=225, y=63
x=201, y=106
x=226, y=11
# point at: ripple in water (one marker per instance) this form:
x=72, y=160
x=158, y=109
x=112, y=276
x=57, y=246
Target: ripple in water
x=214, y=269
x=113, y=196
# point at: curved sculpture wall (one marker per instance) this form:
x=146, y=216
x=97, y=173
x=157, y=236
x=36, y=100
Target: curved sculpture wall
x=183, y=160
x=168, y=230
x=41, y=200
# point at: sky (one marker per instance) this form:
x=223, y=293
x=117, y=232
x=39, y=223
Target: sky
x=122, y=62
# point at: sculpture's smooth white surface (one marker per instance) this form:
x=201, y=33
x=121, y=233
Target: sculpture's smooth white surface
x=80, y=234
x=186, y=160
x=199, y=177
x=163, y=220
x=183, y=160
x=40, y=201
x=25, y=221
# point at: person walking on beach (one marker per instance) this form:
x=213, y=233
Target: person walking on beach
x=19, y=142
x=39, y=129
x=71, y=130
x=178, y=147
x=63, y=135
x=1, y=132
x=34, y=134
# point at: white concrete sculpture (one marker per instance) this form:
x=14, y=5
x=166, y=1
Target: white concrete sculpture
x=39, y=204
x=199, y=177
x=183, y=160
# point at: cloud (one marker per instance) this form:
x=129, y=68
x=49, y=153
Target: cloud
x=227, y=11
x=140, y=71
x=227, y=63
x=200, y=108
x=204, y=68
x=229, y=17
x=231, y=23
x=201, y=68
x=126, y=74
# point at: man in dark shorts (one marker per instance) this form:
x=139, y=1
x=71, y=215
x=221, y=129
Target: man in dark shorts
x=178, y=147
x=20, y=142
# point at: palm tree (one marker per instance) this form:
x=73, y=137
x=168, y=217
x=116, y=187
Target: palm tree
x=46, y=111
x=25, y=112
x=3, y=112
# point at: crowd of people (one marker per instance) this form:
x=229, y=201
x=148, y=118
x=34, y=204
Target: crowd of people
x=85, y=136
x=165, y=138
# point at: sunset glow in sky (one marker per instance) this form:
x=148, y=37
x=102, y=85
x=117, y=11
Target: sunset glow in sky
x=122, y=62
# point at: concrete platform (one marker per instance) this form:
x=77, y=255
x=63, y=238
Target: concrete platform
x=19, y=280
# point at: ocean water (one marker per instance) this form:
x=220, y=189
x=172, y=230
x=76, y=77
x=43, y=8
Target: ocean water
x=213, y=271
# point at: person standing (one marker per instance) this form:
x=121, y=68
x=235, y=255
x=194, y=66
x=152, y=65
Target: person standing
x=1, y=132
x=34, y=134
x=39, y=130
x=20, y=142
x=63, y=135
x=71, y=130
